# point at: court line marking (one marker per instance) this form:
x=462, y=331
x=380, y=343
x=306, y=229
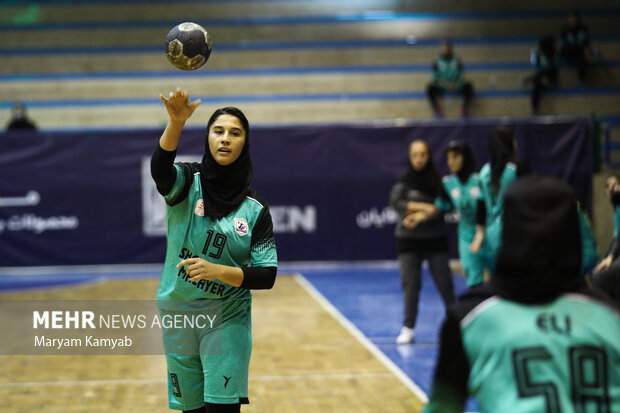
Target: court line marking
x=337, y=376
x=369, y=345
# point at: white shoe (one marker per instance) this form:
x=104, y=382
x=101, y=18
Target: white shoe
x=406, y=336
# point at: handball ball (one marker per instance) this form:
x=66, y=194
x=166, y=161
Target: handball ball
x=188, y=46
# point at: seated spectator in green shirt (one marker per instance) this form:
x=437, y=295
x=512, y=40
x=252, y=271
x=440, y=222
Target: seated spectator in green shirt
x=448, y=75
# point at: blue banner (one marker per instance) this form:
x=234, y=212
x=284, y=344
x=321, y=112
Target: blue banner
x=88, y=198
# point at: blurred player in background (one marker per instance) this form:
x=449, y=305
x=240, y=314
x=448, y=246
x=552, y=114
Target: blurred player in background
x=607, y=272
x=216, y=226
x=461, y=191
x=419, y=237
x=495, y=177
x=536, y=338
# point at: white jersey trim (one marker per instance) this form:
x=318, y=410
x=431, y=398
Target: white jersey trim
x=249, y=197
x=480, y=308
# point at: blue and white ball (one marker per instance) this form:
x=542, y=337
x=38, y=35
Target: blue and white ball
x=188, y=46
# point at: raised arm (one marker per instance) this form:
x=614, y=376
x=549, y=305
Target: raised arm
x=179, y=109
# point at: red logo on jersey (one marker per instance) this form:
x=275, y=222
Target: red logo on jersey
x=200, y=208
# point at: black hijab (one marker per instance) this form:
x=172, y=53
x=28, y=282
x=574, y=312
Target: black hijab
x=540, y=252
x=501, y=147
x=469, y=163
x=427, y=181
x=224, y=188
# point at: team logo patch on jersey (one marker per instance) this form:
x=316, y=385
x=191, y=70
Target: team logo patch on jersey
x=241, y=226
x=200, y=208
x=474, y=192
x=456, y=193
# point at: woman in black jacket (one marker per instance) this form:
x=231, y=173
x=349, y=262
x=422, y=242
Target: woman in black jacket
x=420, y=236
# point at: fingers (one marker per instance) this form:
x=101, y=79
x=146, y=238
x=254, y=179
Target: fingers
x=188, y=261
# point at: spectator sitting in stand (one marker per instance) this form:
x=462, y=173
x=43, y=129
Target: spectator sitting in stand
x=448, y=75
x=545, y=60
x=575, y=48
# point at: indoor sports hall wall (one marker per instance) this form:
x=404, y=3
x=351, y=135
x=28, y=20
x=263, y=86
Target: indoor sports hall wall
x=88, y=198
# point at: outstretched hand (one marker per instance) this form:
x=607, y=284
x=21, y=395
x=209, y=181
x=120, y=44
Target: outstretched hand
x=178, y=105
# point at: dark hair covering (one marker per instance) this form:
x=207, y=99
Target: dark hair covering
x=501, y=147
x=224, y=187
x=469, y=162
x=540, y=252
x=427, y=180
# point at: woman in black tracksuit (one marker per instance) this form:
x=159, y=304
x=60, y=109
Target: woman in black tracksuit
x=420, y=236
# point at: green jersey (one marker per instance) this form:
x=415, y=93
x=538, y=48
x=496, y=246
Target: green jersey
x=448, y=72
x=463, y=197
x=235, y=240
x=492, y=196
x=558, y=357
x=616, y=220
x=589, y=253
x=494, y=205
x=562, y=356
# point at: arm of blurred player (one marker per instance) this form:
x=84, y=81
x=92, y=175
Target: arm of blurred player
x=604, y=264
x=425, y=207
x=449, y=389
x=481, y=217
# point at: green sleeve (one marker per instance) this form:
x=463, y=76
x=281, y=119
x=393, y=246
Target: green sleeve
x=178, y=190
x=589, y=254
x=263, y=246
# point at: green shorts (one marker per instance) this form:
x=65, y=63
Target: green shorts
x=210, y=364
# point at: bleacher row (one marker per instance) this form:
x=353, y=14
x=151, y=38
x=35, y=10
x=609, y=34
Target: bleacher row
x=100, y=64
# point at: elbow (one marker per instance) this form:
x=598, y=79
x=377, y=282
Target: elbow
x=270, y=278
x=271, y=281
x=259, y=278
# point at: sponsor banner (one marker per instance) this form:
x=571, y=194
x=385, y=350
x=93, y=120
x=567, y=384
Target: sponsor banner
x=88, y=198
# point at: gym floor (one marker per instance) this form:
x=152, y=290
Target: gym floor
x=323, y=342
